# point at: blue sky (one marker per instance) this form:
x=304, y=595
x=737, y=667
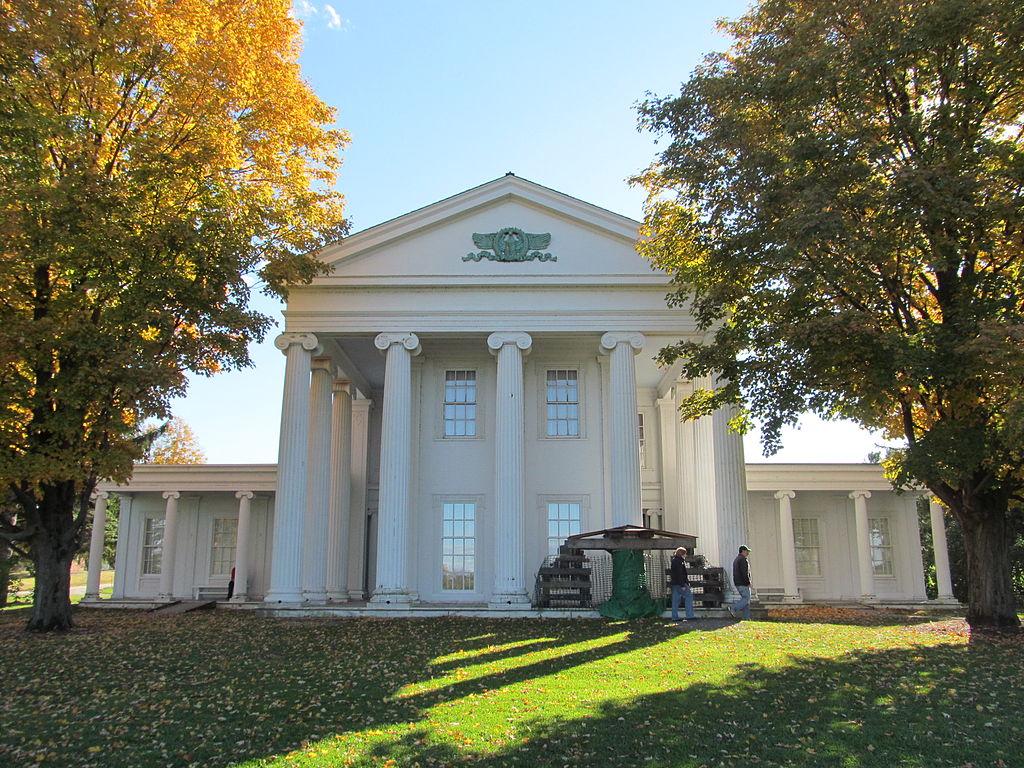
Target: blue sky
x=443, y=96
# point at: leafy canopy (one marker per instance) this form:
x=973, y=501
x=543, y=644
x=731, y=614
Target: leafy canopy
x=840, y=202
x=159, y=160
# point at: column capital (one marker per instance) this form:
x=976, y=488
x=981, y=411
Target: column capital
x=309, y=342
x=244, y=494
x=322, y=363
x=860, y=495
x=499, y=339
x=612, y=339
x=102, y=495
x=341, y=385
x=785, y=494
x=408, y=340
x=171, y=494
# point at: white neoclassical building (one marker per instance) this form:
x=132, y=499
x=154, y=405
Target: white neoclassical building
x=471, y=383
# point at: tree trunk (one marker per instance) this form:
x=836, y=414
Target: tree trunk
x=51, y=606
x=990, y=600
x=6, y=562
x=53, y=548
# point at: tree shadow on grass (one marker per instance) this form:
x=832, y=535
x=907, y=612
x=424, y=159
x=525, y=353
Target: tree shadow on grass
x=857, y=616
x=921, y=706
x=218, y=688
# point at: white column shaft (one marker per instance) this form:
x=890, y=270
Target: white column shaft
x=787, y=546
x=942, y=575
x=509, y=454
x=395, y=471
x=704, y=496
x=292, y=459
x=864, y=569
x=99, y=524
x=668, y=418
x=624, y=441
x=357, y=516
x=730, y=486
x=242, y=547
x=341, y=494
x=314, y=573
x=168, y=554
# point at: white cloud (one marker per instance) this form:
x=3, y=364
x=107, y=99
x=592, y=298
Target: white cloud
x=303, y=9
x=333, y=19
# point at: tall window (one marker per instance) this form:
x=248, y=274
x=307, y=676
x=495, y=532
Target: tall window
x=563, y=399
x=563, y=521
x=152, y=545
x=460, y=403
x=651, y=518
x=881, y=546
x=643, y=440
x=807, y=546
x=458, y=546
x=222, y=554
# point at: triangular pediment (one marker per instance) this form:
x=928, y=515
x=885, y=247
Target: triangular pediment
x=558, y=235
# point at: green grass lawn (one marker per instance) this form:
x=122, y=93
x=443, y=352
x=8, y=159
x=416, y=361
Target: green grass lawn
x=226, y=688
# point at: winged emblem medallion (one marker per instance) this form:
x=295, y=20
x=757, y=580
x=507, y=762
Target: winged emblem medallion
x=510, y=244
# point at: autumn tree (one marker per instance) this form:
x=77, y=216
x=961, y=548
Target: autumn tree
x=159, y=160
x=841, y=202
x=174, y=443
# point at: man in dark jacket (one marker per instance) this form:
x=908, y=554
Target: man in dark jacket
x=741, y=580
x=680, y=582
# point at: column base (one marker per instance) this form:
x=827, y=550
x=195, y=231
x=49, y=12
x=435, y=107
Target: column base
x=790, y=599
x=283, y=597
x=337, y=597
x=165, y=598
x=387, y=600
x=314, y=598
x=945, y=600
x=356, y=595
x=91, y=598
x=867, y=599
x=510, y=601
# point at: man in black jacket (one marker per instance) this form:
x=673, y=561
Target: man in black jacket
x=741, y=580
x=680, y=582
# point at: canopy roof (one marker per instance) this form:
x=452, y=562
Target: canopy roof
x=631, y=537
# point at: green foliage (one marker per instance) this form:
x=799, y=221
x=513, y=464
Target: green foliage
x=841, y=205
x=857, y=688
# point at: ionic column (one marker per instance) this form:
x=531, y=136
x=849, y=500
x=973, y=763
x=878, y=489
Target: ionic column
x=705, y=495
x=242, y=547
x=623, y=442
x=942, y=576
x=509, y=460
x=167, y=555
x=864, y=569
x=99, y=525
x=318, y=483
x=395, y=470
x=292, y=459
x=341, y=492
x=357, y=586
x=730, y=486
x=787, y=546
x=668, y=419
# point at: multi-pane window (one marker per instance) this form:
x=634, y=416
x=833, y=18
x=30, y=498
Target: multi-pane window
x=460, y=403
x=458, y=546
x=563, y=521
x=652, y=518
x=222, y=554
x=563, y=401
x=152, y=545
x=881, y=546
x=643, y=441
x=807, y=545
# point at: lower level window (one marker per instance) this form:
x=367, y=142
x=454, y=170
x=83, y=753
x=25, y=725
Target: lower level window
x=563, y=521
x=807, y=546
x=152, y=545
x=222, y=556
x=881, y=546
x=458, y=546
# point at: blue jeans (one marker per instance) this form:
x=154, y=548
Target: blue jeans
x=743, y=604
x=682, y=591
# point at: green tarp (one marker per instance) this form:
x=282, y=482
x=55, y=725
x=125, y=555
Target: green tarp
x=630, y=598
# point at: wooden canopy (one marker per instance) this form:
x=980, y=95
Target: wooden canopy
x=631, y=537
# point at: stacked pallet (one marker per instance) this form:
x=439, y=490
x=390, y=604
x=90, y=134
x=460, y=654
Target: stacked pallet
x=564, y=580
